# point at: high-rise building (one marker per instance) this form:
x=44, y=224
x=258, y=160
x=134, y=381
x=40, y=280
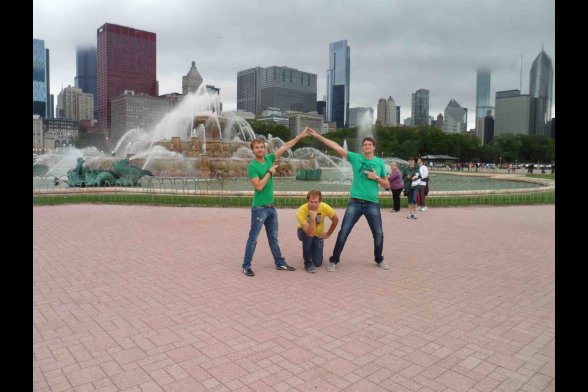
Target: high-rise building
x=398, y=115
x=41, y=91
x=192, y=81
x=321, y=108
x=420, y=107
x=541, y=92
x=483, y=104
x=86, y=72
x=488, y=135
x=387, y=112
x=438, y=123
x=278, y=87
x=73, y=104
x=125, y=60
x=357, y=116
x=338, y=76
x=513, y=113
x=455, y=119
x=131, y=110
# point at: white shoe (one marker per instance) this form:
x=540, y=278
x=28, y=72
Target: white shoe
x=419, y=208
x=424, y=209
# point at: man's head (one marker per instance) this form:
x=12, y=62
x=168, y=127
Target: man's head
x=411, y=162
x=314, y=199
x=368, y=145
x=420, y=161
x=258, y=148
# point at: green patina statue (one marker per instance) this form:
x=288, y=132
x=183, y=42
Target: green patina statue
x=121, y=174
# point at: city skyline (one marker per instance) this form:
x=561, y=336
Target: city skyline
x=392, y=55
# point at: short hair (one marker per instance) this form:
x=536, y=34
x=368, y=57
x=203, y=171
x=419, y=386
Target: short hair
x=256, y=141
x=314, y=193
x=369, y=139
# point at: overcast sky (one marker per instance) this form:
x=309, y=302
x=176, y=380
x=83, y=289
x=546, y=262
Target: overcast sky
x=397, y=46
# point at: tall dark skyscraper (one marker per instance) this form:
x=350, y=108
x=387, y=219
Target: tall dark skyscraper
x=420, y=107
x=483, y=104
x=125, y=60
x=86, y=72
x=541, y=92
x=284, y=88
x=41, y=94
x=338, y=76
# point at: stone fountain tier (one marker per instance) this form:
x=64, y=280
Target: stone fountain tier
x=204, y=166
x=195, y=147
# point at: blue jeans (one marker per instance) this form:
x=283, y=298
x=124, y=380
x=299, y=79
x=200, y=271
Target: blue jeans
x=312, y=249
x=355, y=209
x=263, y=216
x=413, y=195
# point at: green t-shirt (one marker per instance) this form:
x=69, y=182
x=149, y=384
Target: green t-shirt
x=256, y=169
x=362, y=187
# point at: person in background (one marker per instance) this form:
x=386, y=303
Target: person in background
x=396, y=186
x=311, y=225
x=409, y=174
x=424, y=187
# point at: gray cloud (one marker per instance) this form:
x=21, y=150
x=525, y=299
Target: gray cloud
x=397, y=47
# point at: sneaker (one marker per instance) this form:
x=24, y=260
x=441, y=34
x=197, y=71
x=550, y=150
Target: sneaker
x=409, y=217
x=285, y=267
x=248, y=272
x=383, y=265
x=414, y=217
x=419, y=208
x=331, y=267
x=310, y=269
x=424, y=209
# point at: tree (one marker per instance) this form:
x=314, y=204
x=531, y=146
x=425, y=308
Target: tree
x=270, y=127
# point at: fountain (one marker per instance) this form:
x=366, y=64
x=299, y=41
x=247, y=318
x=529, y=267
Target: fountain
x=192, y=141
x=189, y=141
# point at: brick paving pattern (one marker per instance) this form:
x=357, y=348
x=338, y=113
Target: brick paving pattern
x=141, y=298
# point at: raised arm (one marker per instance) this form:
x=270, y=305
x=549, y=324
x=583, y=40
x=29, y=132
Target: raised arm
x=289, y=144
x=329, y=143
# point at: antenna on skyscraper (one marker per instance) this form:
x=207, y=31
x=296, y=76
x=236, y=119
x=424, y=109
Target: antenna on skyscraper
x=521, y=81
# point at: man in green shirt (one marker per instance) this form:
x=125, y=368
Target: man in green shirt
x=369, y=171
x=263, y=213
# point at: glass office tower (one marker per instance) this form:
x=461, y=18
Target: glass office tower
x=86, y=72
x=338, y=83
x=420, y=107
x=541, y=92
x=40, y=79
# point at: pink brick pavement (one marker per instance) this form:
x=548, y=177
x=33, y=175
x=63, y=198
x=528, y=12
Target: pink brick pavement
x=141, y=298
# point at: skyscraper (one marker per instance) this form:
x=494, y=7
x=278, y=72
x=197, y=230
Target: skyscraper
x=338, y=83
x=541, y=92
x=513, y=113
x=41, y=95
x=126, y=60
x=483, y=104
x=387, y=113
x=86, y=72
x=420, y=107
x=456, y=118
x=192, y=81
x=284, y=88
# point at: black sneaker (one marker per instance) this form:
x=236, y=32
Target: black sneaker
x=310, y=269
x=285, y=267
x=248, y=272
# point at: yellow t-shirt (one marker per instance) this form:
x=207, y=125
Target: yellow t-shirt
x=324, y=210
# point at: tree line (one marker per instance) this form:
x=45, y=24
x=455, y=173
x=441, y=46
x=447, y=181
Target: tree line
x=406, y=142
